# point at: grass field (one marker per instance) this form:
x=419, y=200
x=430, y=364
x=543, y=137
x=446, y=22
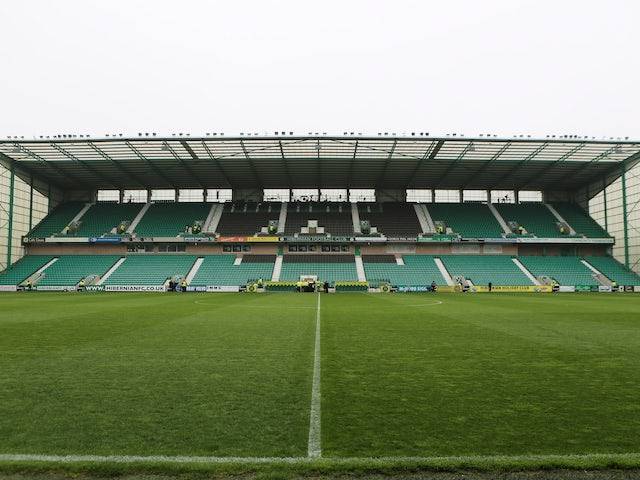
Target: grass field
x=445, y=380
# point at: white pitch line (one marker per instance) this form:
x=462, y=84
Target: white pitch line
x=17, y=457
x=314, y=449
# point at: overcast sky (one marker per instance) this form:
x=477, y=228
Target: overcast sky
x=502, y=67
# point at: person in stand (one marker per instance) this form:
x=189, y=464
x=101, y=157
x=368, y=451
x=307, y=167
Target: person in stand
x=326, y=287
x=28, y=286
x=81, y=285
x=183, y=285
x=490, y=286
x=434, y=287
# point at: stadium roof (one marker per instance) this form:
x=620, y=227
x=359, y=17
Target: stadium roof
x=319, y=162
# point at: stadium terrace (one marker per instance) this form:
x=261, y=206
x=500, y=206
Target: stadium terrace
x=364, y=213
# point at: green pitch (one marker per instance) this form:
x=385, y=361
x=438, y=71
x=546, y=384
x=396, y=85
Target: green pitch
x=231, y=375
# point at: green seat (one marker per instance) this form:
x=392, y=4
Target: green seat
x=485, y=269
x=418, y=270
x=328, y=268
x=614, y=270
x=470, y=220
x=150, y=269
x=23, y=269
x=564, y=270
x=102, y=218
x=220, y=270
x=535, y=218
x=580, y=220
x=171, y=219
x=55, y=222
x=68, y=270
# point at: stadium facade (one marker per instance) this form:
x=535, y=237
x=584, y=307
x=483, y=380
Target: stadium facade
x=348, y=208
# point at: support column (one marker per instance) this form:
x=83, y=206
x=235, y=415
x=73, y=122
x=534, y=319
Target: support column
x=30, y=202
x=12, y=181
x=604, y=192
x=625, y=220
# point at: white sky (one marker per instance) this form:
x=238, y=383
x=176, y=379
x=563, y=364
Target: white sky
x=501, y=67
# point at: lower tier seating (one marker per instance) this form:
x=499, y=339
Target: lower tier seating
x=59, y=218
x=482, y=269
x=220, y=270
x=23, y=269
x=614, y=270
x=68, y=270
x=150, y=269
x=418, y=270
x=328, y=268
x=564, y=270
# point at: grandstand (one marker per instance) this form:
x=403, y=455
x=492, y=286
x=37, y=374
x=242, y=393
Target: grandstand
x=225, y=212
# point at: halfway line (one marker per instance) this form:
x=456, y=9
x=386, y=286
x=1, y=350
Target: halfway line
x=314, y=449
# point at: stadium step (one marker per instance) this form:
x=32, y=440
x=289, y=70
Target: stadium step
x=443, y=271
x=524, y=270
x=355, y=217
x=362, y=277
x=277, y=268
x=282, y=219
x=422, y=218
x=503, y=224
x=597, y=274
x=138, y=217
x=194, y=269
x=555, y=213
x=35, y=276
x=430, y=225
x=113, y=268
x=79, y=215
x=213, y=219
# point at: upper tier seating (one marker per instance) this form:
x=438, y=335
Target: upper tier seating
x=102, y=218
x=535, y=218
x=333, y=216
x=170, y=219
x=581, y=222
x=614, y=270
x=328, y=268
x=150, y=269
x=482, y=269
x=393, y=219
x=23, y=269
x=418, y=270
x=564, y=270
x=68, y=270
x=55, y=222
x=220, y=270
x=471, y=220
x=247, y=218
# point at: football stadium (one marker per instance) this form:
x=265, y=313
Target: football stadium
x=316, y=304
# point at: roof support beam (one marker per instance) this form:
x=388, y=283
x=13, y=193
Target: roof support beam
x=350, y=174
x=285, y=166
x=545, y=170
x=183, y=163
x=86, y=166
x=486, y=164
x=251, y=165
x=217, y=163
x=430, y=154
x=72, y=178
x=119, y=166
x=386, y=163
x=581, y=165
x=150, y=163
x=453, y=164
x=525, y=160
